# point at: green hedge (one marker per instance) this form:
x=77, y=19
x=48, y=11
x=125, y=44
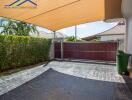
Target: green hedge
x=18, y=51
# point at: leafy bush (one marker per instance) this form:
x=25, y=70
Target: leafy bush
x=72, y=39
x=18, y=51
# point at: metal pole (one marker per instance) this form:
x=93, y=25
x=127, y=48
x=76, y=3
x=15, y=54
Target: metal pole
x=54, y=35
x=54, y=32
x=75, y=33
x=62, y=49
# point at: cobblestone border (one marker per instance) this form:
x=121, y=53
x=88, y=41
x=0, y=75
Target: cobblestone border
x=84, y=70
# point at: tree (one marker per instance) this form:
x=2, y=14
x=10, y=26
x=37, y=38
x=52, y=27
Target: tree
x=72, y=39
x=11, y=27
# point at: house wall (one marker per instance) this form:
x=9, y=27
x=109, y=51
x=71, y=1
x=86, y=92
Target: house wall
x=112, y=37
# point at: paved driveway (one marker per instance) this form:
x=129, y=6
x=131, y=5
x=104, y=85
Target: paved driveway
x=65, y=81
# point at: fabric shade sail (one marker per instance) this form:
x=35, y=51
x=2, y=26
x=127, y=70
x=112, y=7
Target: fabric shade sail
x=58, y=14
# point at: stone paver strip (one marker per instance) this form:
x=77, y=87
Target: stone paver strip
x=84, y=70
x=10, y=82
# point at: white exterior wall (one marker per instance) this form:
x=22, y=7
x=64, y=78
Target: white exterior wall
x=127, y=13
x=112, y=37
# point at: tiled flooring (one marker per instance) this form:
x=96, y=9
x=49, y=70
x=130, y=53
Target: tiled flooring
x=76, y=81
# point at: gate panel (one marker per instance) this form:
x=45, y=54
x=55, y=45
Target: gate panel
x=57, y=50
x=105, y=51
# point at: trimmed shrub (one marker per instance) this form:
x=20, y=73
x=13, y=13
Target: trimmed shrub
x=19, y=51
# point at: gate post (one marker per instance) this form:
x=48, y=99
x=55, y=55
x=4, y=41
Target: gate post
x=54, y=38
x=62, y=49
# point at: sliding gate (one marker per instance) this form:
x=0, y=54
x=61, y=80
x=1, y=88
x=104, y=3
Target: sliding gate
x=102, y=51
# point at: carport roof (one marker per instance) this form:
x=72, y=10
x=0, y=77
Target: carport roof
x=58, y=14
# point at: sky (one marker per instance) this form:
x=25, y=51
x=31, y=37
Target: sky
x=85, y=30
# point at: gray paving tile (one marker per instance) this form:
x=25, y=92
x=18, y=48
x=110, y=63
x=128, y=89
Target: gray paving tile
x=96, y=72
x=53, y=85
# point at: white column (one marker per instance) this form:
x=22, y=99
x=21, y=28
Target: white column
x=127, y=13
x=129, y=36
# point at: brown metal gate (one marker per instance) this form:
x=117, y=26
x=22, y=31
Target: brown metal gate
x=104, y=51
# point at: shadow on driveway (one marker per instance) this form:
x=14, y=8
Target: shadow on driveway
x=53, y=85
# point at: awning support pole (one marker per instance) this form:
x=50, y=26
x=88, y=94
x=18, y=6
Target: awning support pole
x=75, y=33
x=54, y=35
x=54, y=32
x=62, y=49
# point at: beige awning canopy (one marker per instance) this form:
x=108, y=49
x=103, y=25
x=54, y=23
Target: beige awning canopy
x=58, y=14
